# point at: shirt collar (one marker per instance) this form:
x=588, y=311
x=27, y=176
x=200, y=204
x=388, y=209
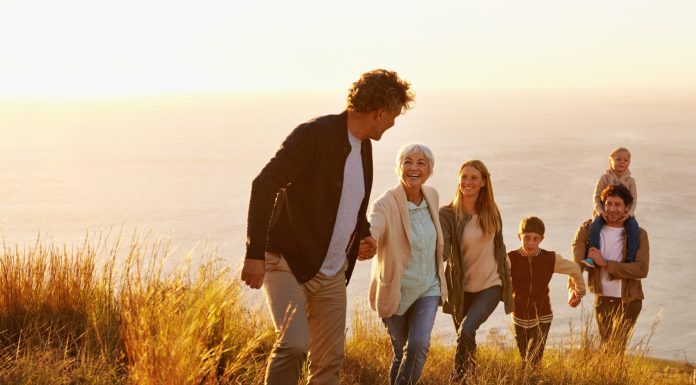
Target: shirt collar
x=522, y=251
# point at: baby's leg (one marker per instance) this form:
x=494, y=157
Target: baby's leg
x=633, y=238
x=595, y=229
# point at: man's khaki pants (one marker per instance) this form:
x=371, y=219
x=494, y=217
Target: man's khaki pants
x=307, y=317
x=615, y=321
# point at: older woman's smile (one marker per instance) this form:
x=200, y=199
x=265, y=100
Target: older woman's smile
x=414, y=170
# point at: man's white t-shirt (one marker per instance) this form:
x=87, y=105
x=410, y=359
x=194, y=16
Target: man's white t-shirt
x=352, y=194
x=611, y=246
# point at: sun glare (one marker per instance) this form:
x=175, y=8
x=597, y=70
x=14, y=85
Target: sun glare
x=84, y=49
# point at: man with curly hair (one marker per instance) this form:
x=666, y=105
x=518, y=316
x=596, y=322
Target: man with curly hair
x=616, y=281
x=306, y=224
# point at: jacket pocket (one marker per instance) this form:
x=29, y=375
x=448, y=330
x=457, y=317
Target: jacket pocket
x=386, y=277
x=387, y=299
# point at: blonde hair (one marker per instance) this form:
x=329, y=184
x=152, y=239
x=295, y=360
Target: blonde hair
x=415, y=149
x=616, y=151
x=489, y=216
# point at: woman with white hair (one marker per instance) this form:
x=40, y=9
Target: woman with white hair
x=408, y=281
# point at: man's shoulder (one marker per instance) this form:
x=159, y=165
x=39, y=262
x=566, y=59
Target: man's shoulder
x=584, y=228
x=329, y=130
x=326, y=121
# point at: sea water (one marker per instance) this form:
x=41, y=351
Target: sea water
x=182, y=167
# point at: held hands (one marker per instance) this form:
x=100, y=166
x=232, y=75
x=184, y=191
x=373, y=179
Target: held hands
x=253, y=271
x=574, y=299
x=597, y=257
x=368, y=248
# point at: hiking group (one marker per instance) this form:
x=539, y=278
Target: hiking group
x=309, y=222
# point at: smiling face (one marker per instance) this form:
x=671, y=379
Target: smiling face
x=470, y=181
x=619, y=162
x=530, y=241
x=614, y=209
x=414, y=170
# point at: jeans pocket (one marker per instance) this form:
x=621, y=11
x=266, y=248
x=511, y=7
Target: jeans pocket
x=271, y=261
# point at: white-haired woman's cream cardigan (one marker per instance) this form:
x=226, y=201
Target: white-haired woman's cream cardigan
x=389, y=225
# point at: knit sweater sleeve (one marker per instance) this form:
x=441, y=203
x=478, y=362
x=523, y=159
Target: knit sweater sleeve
x=602, y=182
x=572, y=270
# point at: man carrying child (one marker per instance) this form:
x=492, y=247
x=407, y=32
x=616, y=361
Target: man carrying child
x=616, y=282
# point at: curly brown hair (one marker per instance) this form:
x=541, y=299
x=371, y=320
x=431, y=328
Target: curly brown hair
x=380, y=89
x=617, y=190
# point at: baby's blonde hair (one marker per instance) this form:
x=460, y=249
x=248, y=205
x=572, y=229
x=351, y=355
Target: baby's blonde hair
x=616, y=151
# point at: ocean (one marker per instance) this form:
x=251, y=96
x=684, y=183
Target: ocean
x=181, y=167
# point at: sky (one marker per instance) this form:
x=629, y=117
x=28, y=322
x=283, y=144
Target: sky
x=97, y=48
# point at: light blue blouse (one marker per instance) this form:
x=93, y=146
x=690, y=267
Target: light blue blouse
x=420, y=277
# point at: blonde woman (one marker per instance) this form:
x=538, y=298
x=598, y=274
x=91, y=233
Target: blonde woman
x=408, y=276
x=477, y=268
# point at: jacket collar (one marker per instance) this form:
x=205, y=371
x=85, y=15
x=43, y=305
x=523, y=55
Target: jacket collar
x=402, y=204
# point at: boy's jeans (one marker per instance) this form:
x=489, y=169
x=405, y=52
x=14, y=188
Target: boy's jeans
x=632, y=235
x=531, y=343
x=412, y=330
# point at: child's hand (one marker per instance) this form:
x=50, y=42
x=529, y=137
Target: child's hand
x=625, y=217
x=604, y=216
x=574, y=299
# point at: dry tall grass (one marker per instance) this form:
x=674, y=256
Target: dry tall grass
x=106, y=313
x=575, y=360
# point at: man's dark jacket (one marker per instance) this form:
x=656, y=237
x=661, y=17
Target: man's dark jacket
x=294, y=200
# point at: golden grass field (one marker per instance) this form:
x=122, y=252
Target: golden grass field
x=117, y=312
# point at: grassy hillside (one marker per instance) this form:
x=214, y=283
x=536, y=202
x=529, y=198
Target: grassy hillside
x=113, y=313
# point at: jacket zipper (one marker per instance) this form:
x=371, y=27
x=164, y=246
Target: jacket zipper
x=529, y=296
